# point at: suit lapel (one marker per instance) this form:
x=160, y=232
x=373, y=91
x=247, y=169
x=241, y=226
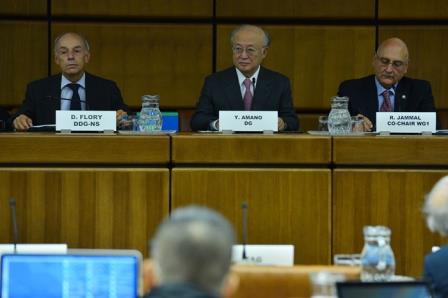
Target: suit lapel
x=233, y=91
x=55, y=91
x=372, y=93
x=92, y=94
x=402, y=90
x=262, y=90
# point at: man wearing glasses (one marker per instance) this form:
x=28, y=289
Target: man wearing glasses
x=388, y=90
x=246, y=86
x=72, y=89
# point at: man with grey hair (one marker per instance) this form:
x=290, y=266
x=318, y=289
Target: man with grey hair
x=247, y=85
x=191, y=253
x=72, y=89
x=436, y=211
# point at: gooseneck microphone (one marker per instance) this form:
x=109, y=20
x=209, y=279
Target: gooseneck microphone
x=12, y=206
x=244, y=207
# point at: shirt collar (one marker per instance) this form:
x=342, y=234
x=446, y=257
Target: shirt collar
x=242, y=77
x=380, y=89
x=81, y=81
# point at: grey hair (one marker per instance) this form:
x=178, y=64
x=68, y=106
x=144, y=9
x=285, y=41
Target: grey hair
x=266, y=37
x=436, y=207
x=57, y=39
x=193, y=246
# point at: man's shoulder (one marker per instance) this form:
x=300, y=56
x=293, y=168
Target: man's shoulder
x=358, y=82
x=45, y=81
x=97, y=79
x=438, y=257
x=272, y=74
x=414, y=82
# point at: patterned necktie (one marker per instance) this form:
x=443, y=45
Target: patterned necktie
x=247, y=99
x=75, y=102
x=387, y=105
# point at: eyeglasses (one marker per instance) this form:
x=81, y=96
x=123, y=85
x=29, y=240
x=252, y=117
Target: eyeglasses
x=250, y=51
x=395, y=63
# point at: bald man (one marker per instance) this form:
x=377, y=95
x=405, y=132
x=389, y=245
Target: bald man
x=436, y=211
x=388, y=90
x=72, y=89
x=247, y=85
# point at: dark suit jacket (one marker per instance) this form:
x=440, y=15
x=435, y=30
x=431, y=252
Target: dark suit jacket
x=411, y=95
x=436, y=271
x=42, y=98
x=221, y=91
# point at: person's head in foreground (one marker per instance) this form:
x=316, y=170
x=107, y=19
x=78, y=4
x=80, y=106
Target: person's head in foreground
x=191, y=255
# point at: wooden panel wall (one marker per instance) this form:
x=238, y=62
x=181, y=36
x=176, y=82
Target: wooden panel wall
x=286, y=206
x=384, y=197
x=413, y=9
x=90, y=208
x=296, y=8
x=23, y=58
x=166, y=8
x=315, y=58
x=24, y=7
x=169, y=60
x=428, y=46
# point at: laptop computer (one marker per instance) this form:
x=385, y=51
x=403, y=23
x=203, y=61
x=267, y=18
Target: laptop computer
x=393, y=289
x=90, y=273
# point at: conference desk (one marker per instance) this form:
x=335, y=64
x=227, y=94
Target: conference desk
x=89, y=191
x=316, y=192
x=382, y=180
x=285, y=179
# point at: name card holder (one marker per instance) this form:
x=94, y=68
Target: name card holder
x=248, y=121
x=86, y=121
x=406, y=122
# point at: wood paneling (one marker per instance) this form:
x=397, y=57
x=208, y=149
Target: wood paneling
x=413, y=9
x=296, y=8
x=427, y=47
x=169, y=60
x=83, y=148
x=159, y=8
x=286, y=206
x=23, y=7
x=391, y=150
x=384, y=197
x=85, y=208
x=315, y=58
x=246, y=149
x=23, y=58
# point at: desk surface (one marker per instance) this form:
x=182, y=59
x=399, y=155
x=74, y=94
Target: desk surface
x=21, y=148
x=391, y=150
x=251, y=148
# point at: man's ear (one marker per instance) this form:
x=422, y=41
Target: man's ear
x=148, y=275
x=230, y=285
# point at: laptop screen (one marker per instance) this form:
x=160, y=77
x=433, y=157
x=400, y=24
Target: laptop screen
x=405, y=289
x=69, y=276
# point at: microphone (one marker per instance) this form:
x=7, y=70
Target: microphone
x=54, y=98
x=12, y=206
x=244, y=207
x=253, y=83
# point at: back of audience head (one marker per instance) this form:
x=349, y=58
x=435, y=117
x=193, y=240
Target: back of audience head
x=436, y=207
x=193, y=246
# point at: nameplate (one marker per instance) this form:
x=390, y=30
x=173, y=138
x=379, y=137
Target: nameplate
x=86, y=121
x=280, y=255
x=248, y=121
x=406, y=122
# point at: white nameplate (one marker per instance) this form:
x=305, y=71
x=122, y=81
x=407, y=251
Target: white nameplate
x=406, y=122
x=86, y=120
x=248, y=120
x=281, y=255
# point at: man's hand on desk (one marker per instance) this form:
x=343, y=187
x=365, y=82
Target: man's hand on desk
x=120, y=114
x=366, y=122
x=281, y=124
x=22, y=122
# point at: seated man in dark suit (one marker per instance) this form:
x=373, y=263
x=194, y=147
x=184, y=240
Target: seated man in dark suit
x=388, y=90
x=246, y=86
x=436, y=211
x=73, y=89
x=191, y=256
